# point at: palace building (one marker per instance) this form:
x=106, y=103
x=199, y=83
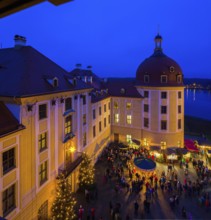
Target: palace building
x=50, y=116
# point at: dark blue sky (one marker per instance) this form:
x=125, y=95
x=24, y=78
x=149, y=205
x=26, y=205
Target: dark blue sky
x=115, y=36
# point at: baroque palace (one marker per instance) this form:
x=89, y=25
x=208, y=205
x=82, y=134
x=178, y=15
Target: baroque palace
x=50, y=116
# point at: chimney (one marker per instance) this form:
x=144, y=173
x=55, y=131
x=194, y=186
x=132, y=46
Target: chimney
x=20, y=41
x=89, y=67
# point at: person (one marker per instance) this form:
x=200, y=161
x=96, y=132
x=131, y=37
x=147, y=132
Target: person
x=184, y=215
x=136, y=206
x=80, y=212
x=93, y=213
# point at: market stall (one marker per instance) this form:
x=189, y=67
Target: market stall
x=144, y=164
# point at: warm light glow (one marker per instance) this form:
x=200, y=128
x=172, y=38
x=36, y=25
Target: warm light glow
x=72, y=149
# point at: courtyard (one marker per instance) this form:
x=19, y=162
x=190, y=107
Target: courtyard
x=116, y=196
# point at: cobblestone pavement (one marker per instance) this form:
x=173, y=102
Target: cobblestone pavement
x=159, y=208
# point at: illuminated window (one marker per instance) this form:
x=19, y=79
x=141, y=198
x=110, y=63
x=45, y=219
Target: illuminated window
x=8, y=160
x=179, y=95
x=179, y=123
x=104, y=122
x=68, y=124
x=128, y=105
x=43, y=141
x=128, y=138
x=104, y=107
x=116, y=118
x=115, y=105
x=146, y=94
x=68, y=104
x=146, y=122
x=146, y=78
x=94, y=131
x=84, y=139
x=163, y=125
x=179, y=109
x=146, y=108
x=163, y=145
x=163, y=95
x=84, y=119
x=43, y=172
x=100, y=126
x=163, y=79
x=129, y=119
x=100, y=111
x=179, y=143
x=42, y=111
x=163, y=109
x=8, y=200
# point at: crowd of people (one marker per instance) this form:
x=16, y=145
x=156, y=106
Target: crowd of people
x=123, y=177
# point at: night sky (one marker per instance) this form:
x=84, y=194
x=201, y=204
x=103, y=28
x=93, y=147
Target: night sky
x=115, y=36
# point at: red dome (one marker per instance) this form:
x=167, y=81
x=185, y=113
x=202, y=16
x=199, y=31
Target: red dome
x=159, y=70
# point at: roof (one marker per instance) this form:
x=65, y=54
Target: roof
x=122, y=87
x=8, y=123
x=27, y=72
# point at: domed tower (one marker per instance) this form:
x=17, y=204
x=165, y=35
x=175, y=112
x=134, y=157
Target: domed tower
x=160, y=80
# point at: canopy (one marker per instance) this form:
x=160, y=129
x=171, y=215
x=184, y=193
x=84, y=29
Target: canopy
x=136, y=141
x=182, y=151
x=171, y=150
x=144, y=164
x=190, y=145
x=154, y=148
x=122, y=146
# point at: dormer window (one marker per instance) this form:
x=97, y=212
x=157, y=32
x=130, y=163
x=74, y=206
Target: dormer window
x=171, y=69
x=179, y=78
x=163, y=79
x=84, y=78
x=122, y=91
x=55, y=82
x=90, y=79
x=146, y=78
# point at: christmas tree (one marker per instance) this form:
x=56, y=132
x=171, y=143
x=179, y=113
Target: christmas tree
x=64, y=204
x=86, y=173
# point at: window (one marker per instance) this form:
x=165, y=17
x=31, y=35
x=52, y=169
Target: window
x=146, y=122
x=84, y=139
x=116, y=118
x=42, y=111
x=163, y=95
x=68, y=124
x=84, y=99
x=163, y=79
x=179, y=123
x=115, y=105
x=8, y=160
x=129, y=119
x=84, y=119
x=128, y=138
x=163, y=109
x=171, y=69
x=104, y=122
x=55, y=82
x=43, y=141
x=146, y=78
x=179, y=78
x=100, y=126
x=43, y=211
x=179, y=95
x=109, y=119
x=8, y=200
x=109, y=105
x=122, y=91
x=68, y=104
x=104, y=107
x=100, y=111
x=128, y=105
x=179, y=109
x=163, y=125
x=93, y=114
x=43, y=172
x=94, y=131
x=146, y=108
x=146, y=94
